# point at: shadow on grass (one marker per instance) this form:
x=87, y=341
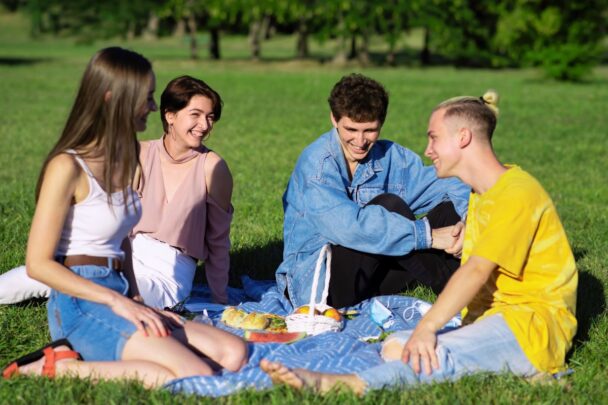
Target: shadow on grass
x=590, y=299
x=259, y=263
x=32, y=302
x=591, y=303
x=15, y=61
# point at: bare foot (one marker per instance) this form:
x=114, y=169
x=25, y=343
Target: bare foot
x=279, y=374
x=319, y=382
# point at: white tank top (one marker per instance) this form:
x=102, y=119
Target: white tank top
x=95, y=228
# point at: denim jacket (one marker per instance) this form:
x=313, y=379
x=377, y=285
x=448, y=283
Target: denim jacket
x=321, y=205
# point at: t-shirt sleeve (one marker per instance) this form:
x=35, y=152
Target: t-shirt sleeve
x=512, y=221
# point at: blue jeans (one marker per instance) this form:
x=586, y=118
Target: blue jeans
x=484, y=346
x=93, y=329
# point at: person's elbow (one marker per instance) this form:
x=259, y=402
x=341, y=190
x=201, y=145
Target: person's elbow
x=33, y=268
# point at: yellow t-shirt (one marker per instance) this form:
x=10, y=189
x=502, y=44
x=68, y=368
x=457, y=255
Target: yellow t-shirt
x=515, y=225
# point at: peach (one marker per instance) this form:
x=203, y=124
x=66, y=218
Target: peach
x=333, y=313
x=305, y=309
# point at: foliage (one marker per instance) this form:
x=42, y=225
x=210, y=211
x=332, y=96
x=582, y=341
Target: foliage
x=90, y=20
x=561, y=36
x=461, y=30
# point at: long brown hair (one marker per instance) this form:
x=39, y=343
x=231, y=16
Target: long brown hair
x=112, y=92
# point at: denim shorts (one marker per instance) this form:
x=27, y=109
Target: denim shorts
x=93, y=329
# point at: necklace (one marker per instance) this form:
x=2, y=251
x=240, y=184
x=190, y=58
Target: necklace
x=191, y=154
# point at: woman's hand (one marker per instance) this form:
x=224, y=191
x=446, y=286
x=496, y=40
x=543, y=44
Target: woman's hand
x=144, y=318
x=420, y=349
x=138, y=298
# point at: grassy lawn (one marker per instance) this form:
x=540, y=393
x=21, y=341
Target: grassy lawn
x=273, y=109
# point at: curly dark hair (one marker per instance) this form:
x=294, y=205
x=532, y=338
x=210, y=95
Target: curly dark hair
x=359, y=98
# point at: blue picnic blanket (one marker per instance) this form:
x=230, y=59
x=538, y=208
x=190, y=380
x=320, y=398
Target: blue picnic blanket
x=333, y=352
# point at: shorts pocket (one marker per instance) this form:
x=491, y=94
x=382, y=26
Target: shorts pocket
x=103, y=276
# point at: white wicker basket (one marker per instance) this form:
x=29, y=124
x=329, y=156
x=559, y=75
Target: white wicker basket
x=310, y=323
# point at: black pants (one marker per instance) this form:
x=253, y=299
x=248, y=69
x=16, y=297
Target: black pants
x=356, y=276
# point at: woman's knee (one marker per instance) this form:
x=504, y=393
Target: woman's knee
x=235, y=355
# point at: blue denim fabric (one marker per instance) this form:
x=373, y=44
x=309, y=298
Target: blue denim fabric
x=322, y=206
x=484, y=346
x=93, y=329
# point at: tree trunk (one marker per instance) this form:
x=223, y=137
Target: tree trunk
x=364, y=49
x=180, y=28
x=191, y=22
x=302, y=44
x=340, y=56
x=267, y=27
x=151, y=31
x=425, y=54
x=391, y=55
x=352, y=54
x=130, y=33
x=255, y=30
x=214, y=43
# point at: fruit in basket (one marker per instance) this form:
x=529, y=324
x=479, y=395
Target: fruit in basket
x=333, y=314
x=305, y=309
x=270, y=337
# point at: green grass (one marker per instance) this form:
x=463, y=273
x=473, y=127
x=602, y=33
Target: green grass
x=273, y=109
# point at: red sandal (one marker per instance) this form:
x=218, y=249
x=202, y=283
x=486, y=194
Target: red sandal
x=51, y=357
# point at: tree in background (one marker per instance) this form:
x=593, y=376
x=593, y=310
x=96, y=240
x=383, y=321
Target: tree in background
x=194, y=14
x=393, y=19
x=563, y=37
x=461, y=31
x=90, y=20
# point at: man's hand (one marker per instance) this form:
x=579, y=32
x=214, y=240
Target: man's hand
x=420, y=349
x=458, y=234
x=443, y=238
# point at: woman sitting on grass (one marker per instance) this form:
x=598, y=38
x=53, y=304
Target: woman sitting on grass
x=86, y=207
x=185, y=192
x=517, y=279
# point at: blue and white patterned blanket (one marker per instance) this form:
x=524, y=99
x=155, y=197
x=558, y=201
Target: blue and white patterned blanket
x=342, y=352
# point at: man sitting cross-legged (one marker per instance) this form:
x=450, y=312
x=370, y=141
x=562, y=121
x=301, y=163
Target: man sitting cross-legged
x=517, y=280
x=365, y=196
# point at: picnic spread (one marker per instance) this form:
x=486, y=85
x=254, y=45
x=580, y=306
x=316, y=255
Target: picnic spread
x=354, y=348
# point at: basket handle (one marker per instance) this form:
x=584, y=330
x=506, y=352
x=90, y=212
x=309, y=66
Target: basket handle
x=325, y=253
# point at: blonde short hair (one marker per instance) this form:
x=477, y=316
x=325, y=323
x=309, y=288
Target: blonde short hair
x=482, y=111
